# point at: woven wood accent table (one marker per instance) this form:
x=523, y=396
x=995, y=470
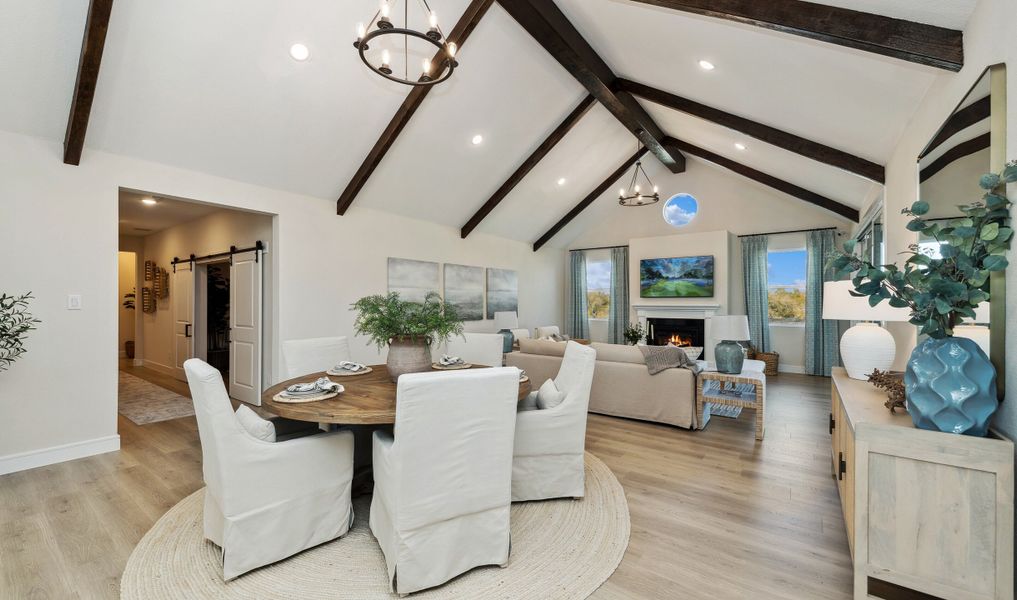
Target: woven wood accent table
x=756, y=399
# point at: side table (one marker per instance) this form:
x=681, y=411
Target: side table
x=751, y=393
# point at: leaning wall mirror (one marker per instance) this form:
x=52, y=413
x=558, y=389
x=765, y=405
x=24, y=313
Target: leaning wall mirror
x=970, y=143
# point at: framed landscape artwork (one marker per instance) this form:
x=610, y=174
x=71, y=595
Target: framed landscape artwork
x=464, y=289
x=502, y=291
x=684, y=277
x=412, y=279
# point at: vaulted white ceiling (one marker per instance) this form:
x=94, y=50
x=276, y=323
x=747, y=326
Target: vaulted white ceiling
x=210, y=87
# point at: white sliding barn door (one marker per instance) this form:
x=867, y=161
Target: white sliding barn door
x=245, y=328
x=182, y=292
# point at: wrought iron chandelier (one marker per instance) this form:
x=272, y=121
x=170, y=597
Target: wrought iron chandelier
x=381, y=30
x=636, y=195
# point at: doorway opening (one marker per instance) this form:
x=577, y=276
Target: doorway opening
x=217, y=316
x=201, y=282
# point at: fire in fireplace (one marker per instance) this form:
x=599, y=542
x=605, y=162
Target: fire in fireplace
x=680, y=332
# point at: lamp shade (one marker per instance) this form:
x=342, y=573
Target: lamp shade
x=840, y=305
x=730, y=327
x=506, y=320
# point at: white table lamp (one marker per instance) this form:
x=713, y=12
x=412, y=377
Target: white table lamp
x=505, y=322
x=866, y=346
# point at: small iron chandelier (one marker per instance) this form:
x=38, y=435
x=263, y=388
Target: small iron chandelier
x=636, y=195
x=432, y=70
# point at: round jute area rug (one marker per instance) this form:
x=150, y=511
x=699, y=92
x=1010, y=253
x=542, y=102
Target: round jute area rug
x=561, y=549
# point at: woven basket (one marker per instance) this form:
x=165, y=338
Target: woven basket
x=771, y=359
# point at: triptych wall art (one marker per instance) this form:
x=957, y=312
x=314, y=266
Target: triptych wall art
x=464, y=286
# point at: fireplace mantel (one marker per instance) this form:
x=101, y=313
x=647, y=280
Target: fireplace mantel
x=674, y=311
x=680, y=311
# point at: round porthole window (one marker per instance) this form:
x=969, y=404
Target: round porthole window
x=680, y=209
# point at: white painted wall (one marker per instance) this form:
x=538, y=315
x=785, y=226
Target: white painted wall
x=63, y=222
x=727, y=202
x=126, y=270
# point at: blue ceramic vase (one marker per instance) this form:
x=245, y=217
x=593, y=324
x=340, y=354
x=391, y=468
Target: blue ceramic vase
x=951, y=387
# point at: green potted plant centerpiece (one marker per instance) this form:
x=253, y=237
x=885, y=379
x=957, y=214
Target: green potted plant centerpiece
x=634, y=333
x=408, y=328
x=15, y=323
x=950, y=384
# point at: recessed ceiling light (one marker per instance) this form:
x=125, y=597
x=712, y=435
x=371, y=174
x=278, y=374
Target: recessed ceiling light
x=561, y=181
x=706, y=65
x=299, y=52
x=739, y=145
x=148, y=201
x=477, y=139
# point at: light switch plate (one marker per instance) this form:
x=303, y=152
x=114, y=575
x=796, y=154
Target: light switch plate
x=74, y=302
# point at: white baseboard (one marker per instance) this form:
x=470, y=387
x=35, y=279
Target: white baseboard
x=139, y=362
x=799, y=369
x=57, y=454
x=157, y=366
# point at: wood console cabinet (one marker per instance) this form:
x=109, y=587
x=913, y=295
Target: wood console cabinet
x=928, y=514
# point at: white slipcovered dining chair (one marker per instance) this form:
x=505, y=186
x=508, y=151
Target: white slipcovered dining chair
x=314, y=355
x=546, y=331
x=442, y=484
x=521, y=334
x=266, y=501
x=547, y=460
x=478, y=348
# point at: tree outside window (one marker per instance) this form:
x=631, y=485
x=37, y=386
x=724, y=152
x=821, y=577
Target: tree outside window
x=786, y=276
x=598, y=289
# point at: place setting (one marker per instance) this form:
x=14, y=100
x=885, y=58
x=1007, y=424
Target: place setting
x=322, y=388
x=349, y=368
x=450, y=363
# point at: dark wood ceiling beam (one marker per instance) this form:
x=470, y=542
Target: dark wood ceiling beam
x=957, y=152
x=770, y=135
x=462, y=30
x=770, y=181
x=905, y=40
x=962, y=119
x=92, y=45
x=543, y=20
x=588, y=200
x=531, y=161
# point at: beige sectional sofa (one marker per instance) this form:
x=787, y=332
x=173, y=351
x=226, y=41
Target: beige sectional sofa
x=622, y=387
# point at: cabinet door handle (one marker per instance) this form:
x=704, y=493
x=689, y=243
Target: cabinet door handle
x=187, y=330
x=841, y=466
x=833, y=423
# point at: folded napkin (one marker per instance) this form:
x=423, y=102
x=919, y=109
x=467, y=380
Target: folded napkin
x=448, y=361
x=352, y=367
x=322, y=386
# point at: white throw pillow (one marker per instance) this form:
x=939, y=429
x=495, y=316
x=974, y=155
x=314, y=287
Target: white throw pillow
x=255, y=425
x=548, y=396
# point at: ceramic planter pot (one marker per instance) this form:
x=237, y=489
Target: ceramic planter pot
x=408, y=354
x=951, y=387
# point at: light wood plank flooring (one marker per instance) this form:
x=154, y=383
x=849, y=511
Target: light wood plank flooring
x=715, y=515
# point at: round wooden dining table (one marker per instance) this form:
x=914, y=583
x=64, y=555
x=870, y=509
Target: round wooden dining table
x=368, y=399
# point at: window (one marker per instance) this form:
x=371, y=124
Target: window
x=598, y=288
x=680, y=209
x=786, y=277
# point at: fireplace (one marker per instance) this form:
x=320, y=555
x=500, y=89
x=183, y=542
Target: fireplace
x=680, y=332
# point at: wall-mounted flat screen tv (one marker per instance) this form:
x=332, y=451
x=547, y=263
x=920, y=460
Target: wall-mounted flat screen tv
x=685, y=277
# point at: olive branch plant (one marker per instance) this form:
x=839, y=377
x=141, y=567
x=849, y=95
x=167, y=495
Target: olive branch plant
x=939, y=291
x=15, y=323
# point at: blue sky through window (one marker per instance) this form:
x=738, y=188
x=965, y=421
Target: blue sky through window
x=787, y=269
x=598, y=276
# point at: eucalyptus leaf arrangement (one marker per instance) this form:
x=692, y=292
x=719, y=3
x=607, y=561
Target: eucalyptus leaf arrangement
x=386, y=317
x=15, y=323
x=939, y=291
